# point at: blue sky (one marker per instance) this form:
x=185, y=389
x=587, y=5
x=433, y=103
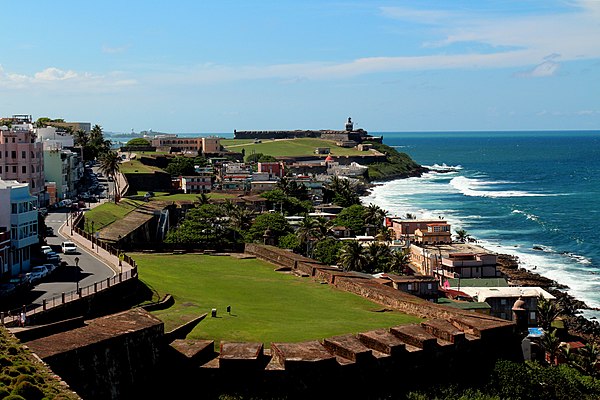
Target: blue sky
x=216, y=66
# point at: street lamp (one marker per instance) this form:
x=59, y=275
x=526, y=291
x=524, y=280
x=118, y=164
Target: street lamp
x=77, y=269
x=119, y=253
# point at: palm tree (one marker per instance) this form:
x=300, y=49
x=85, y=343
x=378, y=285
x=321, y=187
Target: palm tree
x=462, y=235
x=110, y=164
x=203, y=198
x=378, y=257
x=547, y=312
x=352, y=256
x=551, y=343
x=385, y=235
x=308, y=230
x=374, y=215
x=400, y=261
x=588, y=358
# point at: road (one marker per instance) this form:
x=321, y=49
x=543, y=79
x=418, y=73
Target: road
x=65, y=280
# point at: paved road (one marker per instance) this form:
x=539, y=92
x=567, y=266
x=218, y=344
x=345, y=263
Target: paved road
x=65, y=280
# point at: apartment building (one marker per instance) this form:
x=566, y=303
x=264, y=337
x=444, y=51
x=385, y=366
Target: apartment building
x=21, y=158
x=20, y=218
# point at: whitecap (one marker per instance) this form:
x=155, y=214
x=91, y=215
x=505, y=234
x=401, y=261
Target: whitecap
x=469, y=186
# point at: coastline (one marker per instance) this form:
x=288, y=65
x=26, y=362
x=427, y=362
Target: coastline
x=512, y=269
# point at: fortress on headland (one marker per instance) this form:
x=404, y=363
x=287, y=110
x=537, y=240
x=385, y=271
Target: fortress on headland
x=348, y=134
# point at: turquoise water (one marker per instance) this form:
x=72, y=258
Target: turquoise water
x=512, y=191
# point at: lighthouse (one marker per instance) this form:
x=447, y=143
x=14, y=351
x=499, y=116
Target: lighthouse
x=349, y=125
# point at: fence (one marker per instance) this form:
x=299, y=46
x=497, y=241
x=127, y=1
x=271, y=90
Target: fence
x=13, y=317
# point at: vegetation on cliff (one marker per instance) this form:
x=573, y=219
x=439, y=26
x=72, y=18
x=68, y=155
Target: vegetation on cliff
x=398, y=165
x=25, y=377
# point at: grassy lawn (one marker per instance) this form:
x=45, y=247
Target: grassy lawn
x=107, y=213
x=185, y=196
x=288, y=147
x=266, y=306
x=136, y=166
x=191, y=196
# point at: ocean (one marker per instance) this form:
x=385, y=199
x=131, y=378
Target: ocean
x=535, y=195
x=532, y=194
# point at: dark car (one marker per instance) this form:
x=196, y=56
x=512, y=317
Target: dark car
x=49, y=231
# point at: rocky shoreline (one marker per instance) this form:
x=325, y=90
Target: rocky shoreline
x=576, y=324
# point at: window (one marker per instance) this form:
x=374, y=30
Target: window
x=14, y=169
x=429, y=286
x=24, y=169
x=409, y=286
x=503, y=302
x=14, y=208
x=13, y=154
x=23, y=154
x=503, y=315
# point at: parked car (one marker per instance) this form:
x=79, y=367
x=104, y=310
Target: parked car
x=53, y=258
x=49, y=231
x=21, y=282
x=38, y=272
x=46, y=249
x=69, y=247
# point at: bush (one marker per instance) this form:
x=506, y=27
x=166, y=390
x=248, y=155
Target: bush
x=28, y=391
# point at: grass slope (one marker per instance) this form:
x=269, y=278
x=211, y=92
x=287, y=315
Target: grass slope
x=107, y=213
x=288, y=147
x=267, y=306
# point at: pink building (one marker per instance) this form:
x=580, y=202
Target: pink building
x=201, y=145
x=21, y=158
x=272, y=168
x=404, y=228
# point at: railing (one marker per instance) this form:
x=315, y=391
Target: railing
x=12, y=317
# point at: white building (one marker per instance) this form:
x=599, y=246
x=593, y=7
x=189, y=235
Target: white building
x=20, y=216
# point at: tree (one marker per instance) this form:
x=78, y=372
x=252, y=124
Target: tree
x=551, y=343
x=110, y=164
x=292, y=188
x=138, y=142
x=400, y=261
x=353, y=256
x=290, y=241
x=352, y=217
x=327, y=250
x=462, y=235
x=181, y=166
x=547, y=312
x=276, y=223
x=341, y=191
x=378, y=257
x=307, y=232
x=259, y=157
x=374, y=215
x=587, y=360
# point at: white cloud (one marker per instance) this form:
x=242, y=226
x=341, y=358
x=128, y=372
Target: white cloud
x=54, y=74
x=543, y=70
x=71, y=80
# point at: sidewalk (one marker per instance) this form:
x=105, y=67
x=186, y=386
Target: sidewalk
x=98, y=252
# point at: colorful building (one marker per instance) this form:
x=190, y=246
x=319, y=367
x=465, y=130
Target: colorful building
x=21, y=158
x=19, y=214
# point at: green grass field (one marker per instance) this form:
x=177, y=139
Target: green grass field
x=267, y=306
x=107, y=213
x=136, y=167
x=288, y=147
x=184, y=196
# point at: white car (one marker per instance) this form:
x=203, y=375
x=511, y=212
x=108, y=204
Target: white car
x=69, y=247
x=38, y=272
x=46, y=249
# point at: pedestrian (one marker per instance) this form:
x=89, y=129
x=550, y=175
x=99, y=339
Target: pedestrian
x=22, y=319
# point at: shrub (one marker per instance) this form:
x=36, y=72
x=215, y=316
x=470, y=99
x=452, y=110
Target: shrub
x=28, y=391
x=14, y=397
